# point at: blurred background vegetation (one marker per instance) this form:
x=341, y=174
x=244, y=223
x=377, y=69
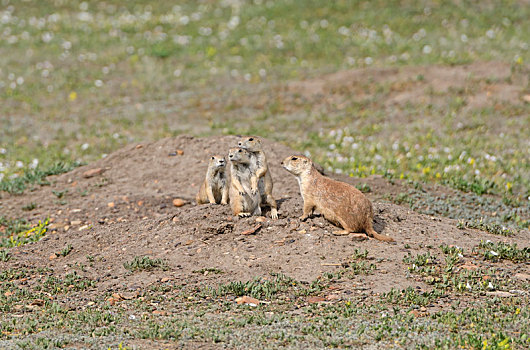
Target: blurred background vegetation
x=425, y=91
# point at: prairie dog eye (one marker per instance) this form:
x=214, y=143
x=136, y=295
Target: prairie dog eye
x=251, y=139
x=213, y=157
x=294, y=158
x=239, y=151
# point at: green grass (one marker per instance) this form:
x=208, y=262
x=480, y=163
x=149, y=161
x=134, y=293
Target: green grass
x=286, y=320
x=16, y=232
x=66, y=250
x=257, y=288
x=5, y=255
x=503, y=251
x=18, y=184
x=502, y=218
x=140, y=263
x=139, y=51
x=496, y=229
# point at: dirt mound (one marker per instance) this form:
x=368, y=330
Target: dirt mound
x=487, y=83
x=121, y=207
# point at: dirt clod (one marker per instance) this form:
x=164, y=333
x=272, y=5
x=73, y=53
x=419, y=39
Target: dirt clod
x=315, y=300
x=178, y=202
x=247, y=300
x=93, y=172
x=252, y=230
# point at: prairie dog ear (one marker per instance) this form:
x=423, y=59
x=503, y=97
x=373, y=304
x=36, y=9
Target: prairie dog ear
x=305, y=161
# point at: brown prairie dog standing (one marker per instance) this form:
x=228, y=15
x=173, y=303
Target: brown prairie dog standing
x=242, y=201
x=214, y=189
x=261, y=179
x=338, y=202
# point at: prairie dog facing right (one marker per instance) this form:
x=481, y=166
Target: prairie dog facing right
x=214, y=189
x=340, y=203
x=261, y=179
x=242, y=201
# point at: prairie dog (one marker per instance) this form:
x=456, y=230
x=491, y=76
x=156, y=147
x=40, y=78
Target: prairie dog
x=340, y=203
x=261, y=179
x=214, y=189
x=242, y=201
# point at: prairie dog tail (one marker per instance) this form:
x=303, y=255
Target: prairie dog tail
x=371, y=232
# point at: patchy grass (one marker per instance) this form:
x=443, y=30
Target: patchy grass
x=66, y=250
x=257, y=288
x=469, y=209
x=503, y=251
x=17, y=184
x=17, y=232
x=29, y=206
x=208, y=270
x=179, y=314
x=4, y=255
x=145, y=263
x=481, y=225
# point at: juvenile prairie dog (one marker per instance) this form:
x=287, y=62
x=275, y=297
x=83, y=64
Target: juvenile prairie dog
x=242, y=201
x=340, y=203
x=261, y=179
x=214, y=189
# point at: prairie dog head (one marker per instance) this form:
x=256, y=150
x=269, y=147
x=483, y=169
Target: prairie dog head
x=239, y=155
x=250, y=143
x=217, y=162
x=297, y=165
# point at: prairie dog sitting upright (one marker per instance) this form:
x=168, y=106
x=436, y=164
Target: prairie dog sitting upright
x=261, y=179
x=340, y=203
x=214, y=189
x=242, y=201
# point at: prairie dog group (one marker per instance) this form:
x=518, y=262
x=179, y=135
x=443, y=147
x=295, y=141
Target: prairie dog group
x=250, y=185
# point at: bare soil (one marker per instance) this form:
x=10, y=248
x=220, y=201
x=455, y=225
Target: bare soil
x=127, y=211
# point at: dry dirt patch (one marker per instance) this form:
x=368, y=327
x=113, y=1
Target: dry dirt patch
x=484, y=84
x=125, y=210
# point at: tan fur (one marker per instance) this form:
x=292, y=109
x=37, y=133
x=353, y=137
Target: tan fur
x=340, y=203
x=261, y=179
x=242, y=201
x=214, y=189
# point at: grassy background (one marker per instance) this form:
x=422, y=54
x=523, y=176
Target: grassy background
x=79, y=80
